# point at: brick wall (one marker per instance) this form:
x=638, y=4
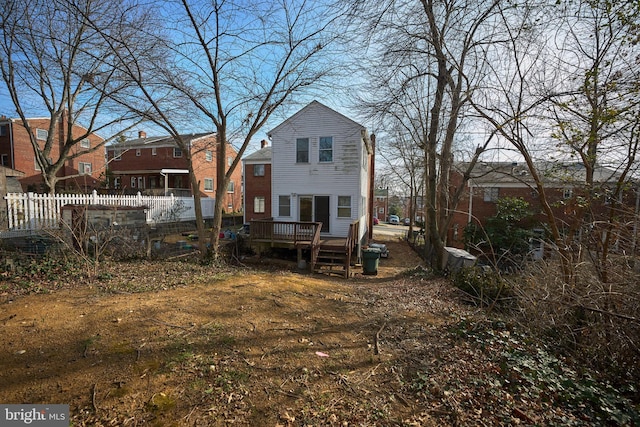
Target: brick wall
x=23, y=158
x=257, y=186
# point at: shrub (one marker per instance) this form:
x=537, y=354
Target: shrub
x=484, y=286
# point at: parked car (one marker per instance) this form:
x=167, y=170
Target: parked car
x=394, y=219
x=407, y=221
x=376, y=221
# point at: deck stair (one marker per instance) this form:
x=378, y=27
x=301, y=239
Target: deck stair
x=337, y=253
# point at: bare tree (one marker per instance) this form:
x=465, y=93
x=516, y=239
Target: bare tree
x=228, y=65
x=574, y=100
x=430, y=61
x=53, y=61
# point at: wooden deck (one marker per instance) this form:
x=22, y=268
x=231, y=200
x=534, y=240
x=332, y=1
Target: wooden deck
x=325, y=251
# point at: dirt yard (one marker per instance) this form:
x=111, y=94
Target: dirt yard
x=178, y=344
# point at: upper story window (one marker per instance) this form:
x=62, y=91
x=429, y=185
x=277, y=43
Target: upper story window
x=85, y=143
x=208, y=155
x=177, y=152
x=258, y=170
x=154, y=151
x=231, y=187
x=302, y=150
x=229, y=161
x=4, y=160
x=42, y=134
x=117, y=154
x=4, y=130
x=325, y=151
x=567, y=193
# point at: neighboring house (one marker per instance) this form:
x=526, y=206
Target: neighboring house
x=16, y=152
x=492, y=181
x=257, y=184
x=157, y=166
x=381, y=203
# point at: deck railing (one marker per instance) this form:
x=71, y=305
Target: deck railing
x=350, y=244
x=284, y=231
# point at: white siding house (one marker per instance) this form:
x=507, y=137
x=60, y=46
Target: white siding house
x=320, y=170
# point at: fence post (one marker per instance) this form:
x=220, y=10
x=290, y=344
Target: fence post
x=94, y=197
x=139, y=196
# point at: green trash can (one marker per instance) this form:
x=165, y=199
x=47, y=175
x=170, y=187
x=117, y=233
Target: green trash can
x=370, y=257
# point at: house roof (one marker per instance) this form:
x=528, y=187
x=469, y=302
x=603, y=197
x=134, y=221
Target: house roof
x=313, y=104
x=262, y=155
x=553, y=173
x=158, y=141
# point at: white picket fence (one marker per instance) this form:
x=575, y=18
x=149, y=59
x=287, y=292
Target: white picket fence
x=28, y=212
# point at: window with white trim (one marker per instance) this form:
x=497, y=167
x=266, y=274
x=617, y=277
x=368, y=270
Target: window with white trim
x=284, y=205
x=208, y=184
x=258, y=170
x=4, y=160
x=325, y=150
x=229, y=161
x=231, y=187
x=42, y=134
x=49, y=160
x=85, y=143
x=258, y=204
x=154, y=151
x=84, y=168
x=117, y=154
x=302, y=150
x=344, y=206
x=208, y=155
x=177, y=152
x=4, y=130
x=491, y=194
x=133, y=182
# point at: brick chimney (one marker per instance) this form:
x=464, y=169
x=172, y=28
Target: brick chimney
x=142, y=134
x=263, y=143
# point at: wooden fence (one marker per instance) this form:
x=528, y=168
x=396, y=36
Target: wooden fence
x=28, y=212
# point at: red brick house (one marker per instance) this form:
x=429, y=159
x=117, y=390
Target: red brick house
x=17, y=153
x=257, y=184
x=156, y=165
x=381, y=203
x=491, y=181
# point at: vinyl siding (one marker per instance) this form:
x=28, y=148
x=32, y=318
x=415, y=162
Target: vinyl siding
x=344, y=176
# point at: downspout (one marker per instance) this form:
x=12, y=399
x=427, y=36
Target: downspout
x=371, y=185
x=470, y=217
x=13, y=160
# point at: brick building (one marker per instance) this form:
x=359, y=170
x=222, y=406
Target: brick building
x=257, y=184
x=85, y=172
x=381, y=203
x=157, y=166
x=492, y=181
